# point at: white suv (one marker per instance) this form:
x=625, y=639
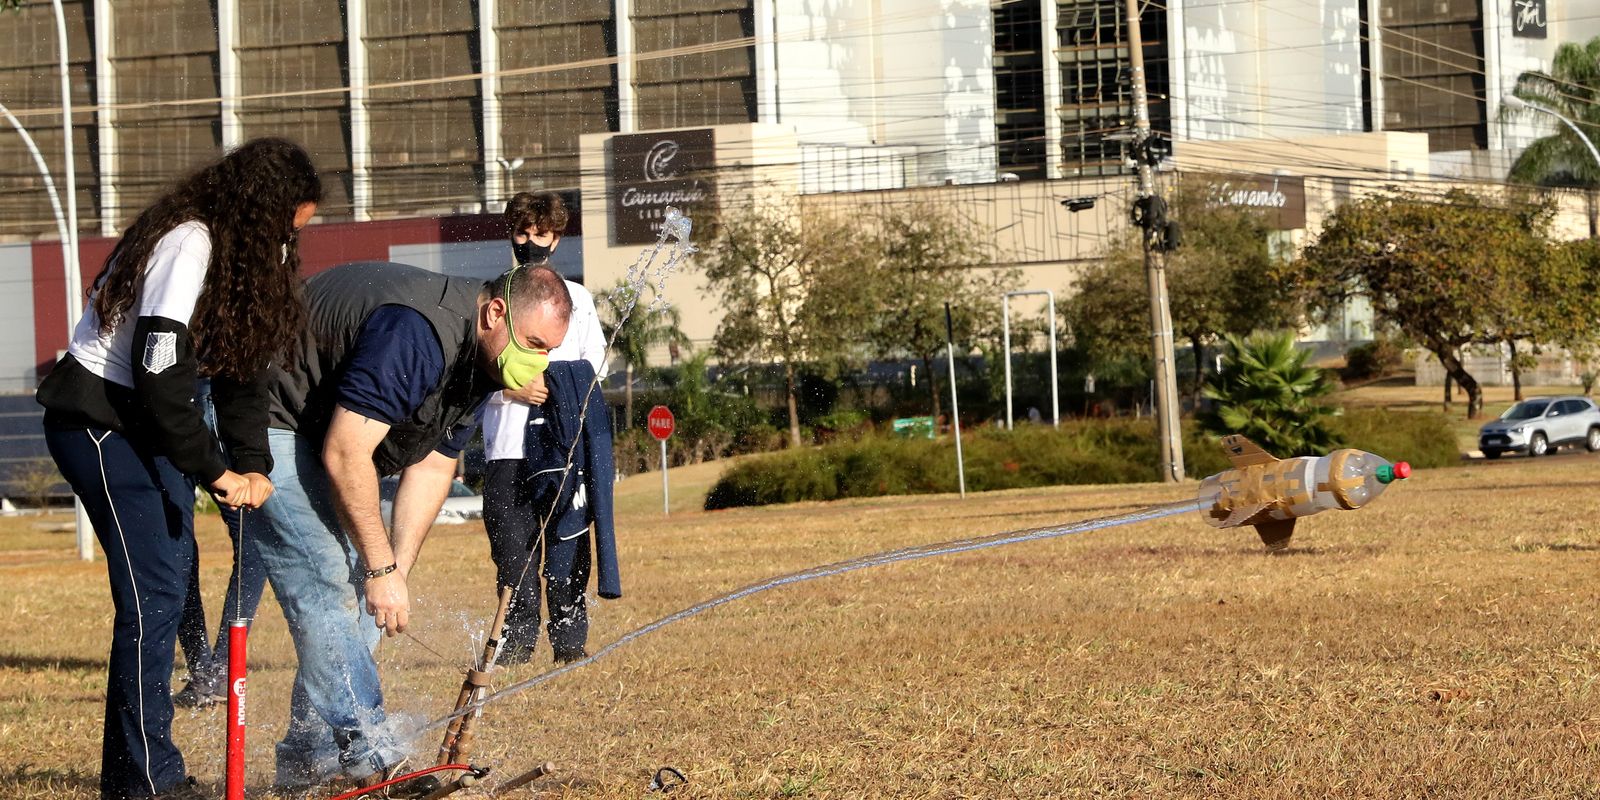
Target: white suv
x=1539, y=425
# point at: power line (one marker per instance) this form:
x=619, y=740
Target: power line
x=416, y=173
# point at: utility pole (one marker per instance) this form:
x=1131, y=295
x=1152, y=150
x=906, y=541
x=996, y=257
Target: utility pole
x=1153, y=221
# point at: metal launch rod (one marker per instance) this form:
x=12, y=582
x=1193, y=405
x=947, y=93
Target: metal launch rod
x=457, y=741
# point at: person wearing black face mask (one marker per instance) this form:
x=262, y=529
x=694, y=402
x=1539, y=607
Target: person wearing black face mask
x=528, y=251
x=535, y=222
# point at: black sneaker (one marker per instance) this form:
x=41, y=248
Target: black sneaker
x=187, y=790
x=199, y=694
x=564, y=657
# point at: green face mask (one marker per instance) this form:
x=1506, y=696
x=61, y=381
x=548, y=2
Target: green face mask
x=518, y=364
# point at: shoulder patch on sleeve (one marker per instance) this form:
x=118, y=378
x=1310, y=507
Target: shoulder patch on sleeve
x=160, y=351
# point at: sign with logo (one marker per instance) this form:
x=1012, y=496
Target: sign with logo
x=238, y=691
x=650, y=171
x=661, y=422
x=1283, y=198
x=1529, y=20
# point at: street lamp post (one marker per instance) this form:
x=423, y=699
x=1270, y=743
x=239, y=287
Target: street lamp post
x=49, y=190
x=1520, y=104
x=1515, y=102
x=85, y=532
x=69, y=148
x=509, y=165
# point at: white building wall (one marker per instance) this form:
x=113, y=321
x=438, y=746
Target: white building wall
x=941, y=87
x=825, y=71
x=1266, y=68
x=1508, y=56
x=18, y=367
x=910, y=74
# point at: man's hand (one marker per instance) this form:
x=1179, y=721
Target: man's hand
x=231, y=489
x=261, y=488
x=532, y=393
x=389, y=602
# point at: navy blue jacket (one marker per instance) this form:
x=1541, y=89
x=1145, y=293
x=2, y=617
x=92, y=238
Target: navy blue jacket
x=584, y=497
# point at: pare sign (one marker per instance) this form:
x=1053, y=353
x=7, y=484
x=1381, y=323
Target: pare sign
x=661, y=423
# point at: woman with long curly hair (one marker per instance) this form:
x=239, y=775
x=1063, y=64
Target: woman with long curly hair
x=203, y=285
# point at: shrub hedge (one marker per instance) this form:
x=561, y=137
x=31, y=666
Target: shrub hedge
x=1080, y=452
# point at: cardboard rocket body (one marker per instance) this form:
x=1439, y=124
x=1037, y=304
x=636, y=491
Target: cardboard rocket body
x=1271, y=493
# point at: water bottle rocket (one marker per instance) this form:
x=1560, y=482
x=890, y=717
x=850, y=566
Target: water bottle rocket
x=1270, y=493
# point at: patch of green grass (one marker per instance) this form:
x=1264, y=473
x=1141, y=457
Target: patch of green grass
x=799, y=786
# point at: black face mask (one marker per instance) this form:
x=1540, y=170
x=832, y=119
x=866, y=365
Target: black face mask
x=528, y=252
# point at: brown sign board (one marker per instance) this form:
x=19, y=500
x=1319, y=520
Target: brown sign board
x=1281, y=197
x=650, y=171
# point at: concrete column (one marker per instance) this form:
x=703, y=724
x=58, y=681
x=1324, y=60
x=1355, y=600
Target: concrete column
x=1375, y=61
x=627, y=103
x=1178, y=75
x=106, y=95
x=355, y=12
x=1495, y=23
x=1051, y=62
x=768, y=108
x=494, y=188
x=228, y=72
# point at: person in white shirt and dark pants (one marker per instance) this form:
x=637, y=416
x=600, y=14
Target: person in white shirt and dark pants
x=535, y=222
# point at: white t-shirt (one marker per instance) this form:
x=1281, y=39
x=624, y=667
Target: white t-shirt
x=173, y=278
x=504, y=420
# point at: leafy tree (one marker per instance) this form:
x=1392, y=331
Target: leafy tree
x=1267, y=392
x=931, y=254
x=1529, y=286
x=1437, y=268
x=1222, y=281
x=1572, y=89
x=712, y=417
x=1107, y=315
x=793, y=292
x=1574, y=304
x=644, y=326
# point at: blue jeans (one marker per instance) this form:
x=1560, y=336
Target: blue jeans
x=337, y=723
x=207, y=665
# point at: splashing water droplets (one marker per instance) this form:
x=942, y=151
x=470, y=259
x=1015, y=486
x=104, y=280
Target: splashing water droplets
x=677, y=225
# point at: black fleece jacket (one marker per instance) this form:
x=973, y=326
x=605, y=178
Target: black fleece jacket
x=158, y=413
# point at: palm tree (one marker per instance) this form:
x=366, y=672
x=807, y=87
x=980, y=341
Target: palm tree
x=644, y=326
x=1267, y=392
x=1572, y=89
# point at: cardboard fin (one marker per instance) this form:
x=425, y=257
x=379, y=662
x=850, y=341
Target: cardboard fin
x=1244, y=453
x=1241, y=515
x=1275, y=533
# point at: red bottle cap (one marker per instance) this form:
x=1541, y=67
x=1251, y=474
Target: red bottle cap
x=1402, y=470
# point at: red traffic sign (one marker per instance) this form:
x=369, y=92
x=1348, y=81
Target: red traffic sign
x=661, y=422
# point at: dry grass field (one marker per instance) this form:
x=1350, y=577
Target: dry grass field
x=1442, y=643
